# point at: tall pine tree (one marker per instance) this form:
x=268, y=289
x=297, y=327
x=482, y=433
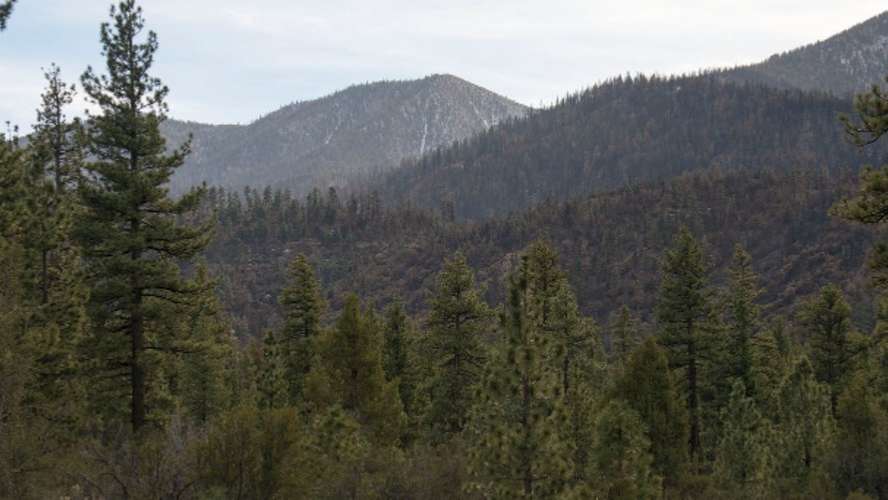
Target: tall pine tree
x=303, y=307
x=132, y=238
x=520, y=450
x=683, y=310
x=457, y=321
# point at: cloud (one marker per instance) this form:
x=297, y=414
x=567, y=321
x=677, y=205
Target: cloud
x=230, y=61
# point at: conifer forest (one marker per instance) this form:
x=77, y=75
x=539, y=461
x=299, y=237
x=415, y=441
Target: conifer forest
x=661, y=287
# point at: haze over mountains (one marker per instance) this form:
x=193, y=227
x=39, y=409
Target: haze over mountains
x=322, y=142
x=614, y=133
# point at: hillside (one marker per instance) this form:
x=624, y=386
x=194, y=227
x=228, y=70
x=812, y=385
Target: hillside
x=321, y=142
x=844, y=64
x=625, y=132
x=610, y=244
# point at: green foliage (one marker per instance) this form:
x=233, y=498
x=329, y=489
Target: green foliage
x=742, y=319
x=272, y=384
x=805, y=429
x=624, y=334
x=453, y=345
x=826, y=319
x=745, y=463
x=647, y=387
x=623, y=464
x=683, y=314
x=520, y=450
x=400, y=361
x=129, y=231
x=348, y=372
x=861, y=453
x=303, y=308
x=5, y=12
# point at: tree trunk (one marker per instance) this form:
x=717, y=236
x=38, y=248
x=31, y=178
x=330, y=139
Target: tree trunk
x=137, y=345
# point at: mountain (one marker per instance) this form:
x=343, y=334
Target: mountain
x=323, y=141
x=847, y=63
x=628, y=131
x=610, y=244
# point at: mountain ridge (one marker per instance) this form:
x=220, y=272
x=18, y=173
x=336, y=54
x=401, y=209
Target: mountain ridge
x=322, y=141
x=843, y=64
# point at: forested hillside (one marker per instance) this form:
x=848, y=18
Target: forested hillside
x=625, y=132
x=610, y=243
x=712, y=332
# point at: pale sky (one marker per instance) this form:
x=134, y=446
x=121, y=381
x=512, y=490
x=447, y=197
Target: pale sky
x=230, y=61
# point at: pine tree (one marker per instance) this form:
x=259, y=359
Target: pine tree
x=130, y=233
x=5, y=12
x=303, y=307
x=398, y=353
x=805, y=426
x=520, y=451
x=683, y=310
x=742, y=317
x=56, y=140
x=827, y=321
x=572, y=345
x=457, y=320
x=348, y=373
x=744, y=457
x=623, y=330
x=272, y=383
x=872, y=111
x=204, y=368
x=870, y=205
x=622, y=461
x=861, y=455
x=772, y=357
x=647, y=387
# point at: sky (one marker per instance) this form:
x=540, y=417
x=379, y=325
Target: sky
x=231, y=61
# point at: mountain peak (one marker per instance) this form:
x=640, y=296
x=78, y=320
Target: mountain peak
x=323, y=141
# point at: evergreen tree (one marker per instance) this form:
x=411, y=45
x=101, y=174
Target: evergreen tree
x=683, y=311
x=872, y=114
x=827, y=321
x=56, y=140
x=272, y=382
x=870, y=205
x=398, y=354
x=772, y=357
x=623, y=331
x=861, y=455
x=519, y=450
x=348, y=372
x=647, y=387
x=457, y=320
x=742, y=317
x=5, y=12
x=303, y=307
x=744, y=457
x=205, y=368
x=805, y=427
x=623, y=464
x=130, y=233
